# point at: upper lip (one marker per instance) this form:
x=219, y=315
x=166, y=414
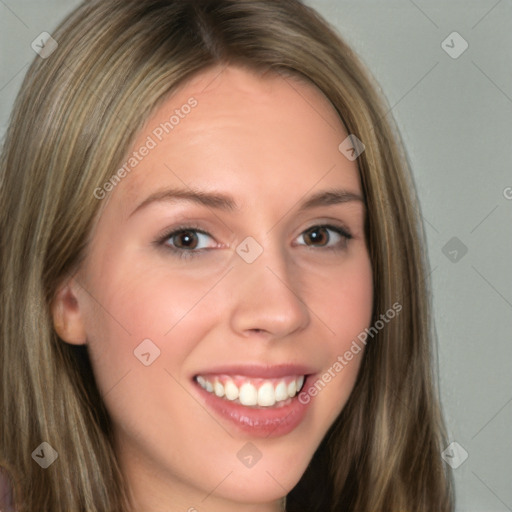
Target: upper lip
x=258, y=370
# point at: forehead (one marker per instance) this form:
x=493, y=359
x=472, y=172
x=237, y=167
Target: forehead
x=234, y=128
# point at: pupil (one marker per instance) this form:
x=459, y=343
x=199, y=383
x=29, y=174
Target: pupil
x=187, y=238
x=314, y=235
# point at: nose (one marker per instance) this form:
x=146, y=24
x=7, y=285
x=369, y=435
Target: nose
x=267, y=297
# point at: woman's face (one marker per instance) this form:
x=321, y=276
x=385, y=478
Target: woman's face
x=269, y=280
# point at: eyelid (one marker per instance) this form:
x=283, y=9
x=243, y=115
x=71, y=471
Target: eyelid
x=161, y=241
x=341, y=231
x=168, y=233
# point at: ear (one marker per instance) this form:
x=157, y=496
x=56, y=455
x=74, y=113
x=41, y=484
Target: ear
x=67, y=317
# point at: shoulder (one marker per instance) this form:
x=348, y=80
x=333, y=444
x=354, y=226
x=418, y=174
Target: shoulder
x=6, y=501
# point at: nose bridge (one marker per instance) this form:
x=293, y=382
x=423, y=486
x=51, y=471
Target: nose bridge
x=266, y=294
x=272, y=271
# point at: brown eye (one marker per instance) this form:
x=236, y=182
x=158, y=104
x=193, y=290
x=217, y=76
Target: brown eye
x=330, y=237
x=186, y=242
x=316, y=235
x=185, y=239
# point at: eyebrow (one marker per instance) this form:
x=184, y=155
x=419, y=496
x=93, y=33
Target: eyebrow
x=223, y=202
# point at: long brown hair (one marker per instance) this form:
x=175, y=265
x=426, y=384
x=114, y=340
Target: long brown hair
x=75, y=117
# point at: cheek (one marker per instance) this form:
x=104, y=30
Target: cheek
x=139, y=340
x=148, y=311
x=142, y=302
x=347, y=309
x=155, y=299
x=346, y=300
x=166, y=308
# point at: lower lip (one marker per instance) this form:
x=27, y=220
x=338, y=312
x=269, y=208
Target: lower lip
x=262, y=423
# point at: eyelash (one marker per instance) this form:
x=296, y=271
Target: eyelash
x=190, y=253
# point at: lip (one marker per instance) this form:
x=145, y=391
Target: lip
x=263, y=372
x=258, y=422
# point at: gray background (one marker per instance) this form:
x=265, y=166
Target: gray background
x=455, y=117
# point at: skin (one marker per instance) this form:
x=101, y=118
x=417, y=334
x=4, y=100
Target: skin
x=270, y=143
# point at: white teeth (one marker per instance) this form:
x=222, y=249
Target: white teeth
x=268, y=394
x=292, y=388
x=231, y=390
x=248, y=394
x=218, y=388
x=281, y=392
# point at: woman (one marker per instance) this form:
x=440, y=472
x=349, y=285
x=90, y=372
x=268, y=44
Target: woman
x=213, y=284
